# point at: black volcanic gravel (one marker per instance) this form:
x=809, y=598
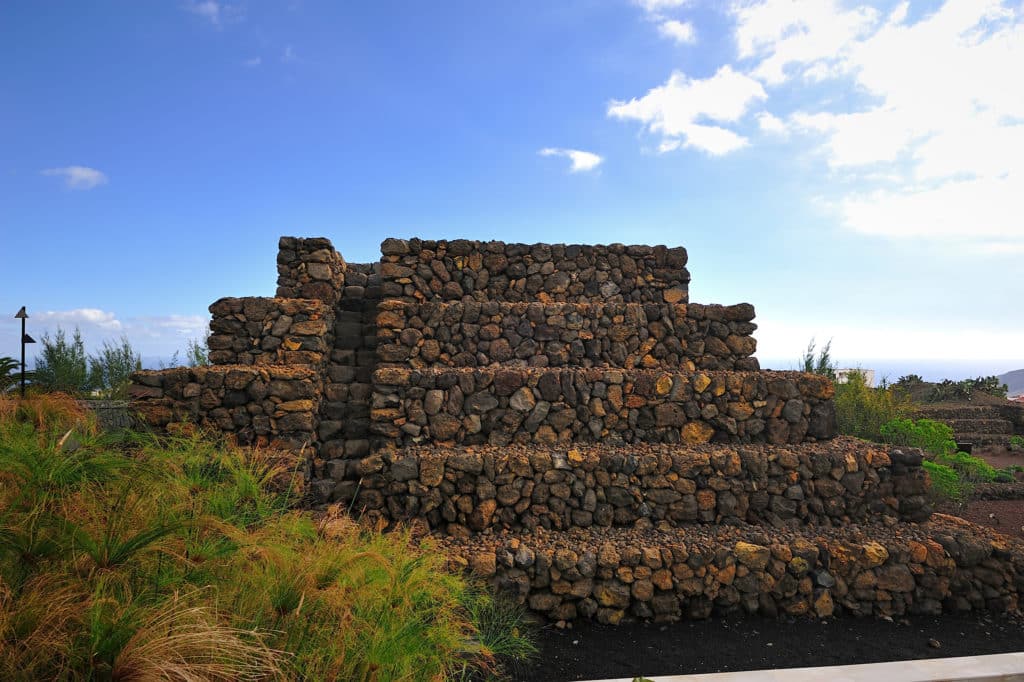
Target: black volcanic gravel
x=722, y=644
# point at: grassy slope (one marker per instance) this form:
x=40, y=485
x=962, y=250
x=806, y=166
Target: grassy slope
x=133, y=557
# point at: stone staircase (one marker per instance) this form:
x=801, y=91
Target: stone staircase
x=977, y=424
x=572, y=429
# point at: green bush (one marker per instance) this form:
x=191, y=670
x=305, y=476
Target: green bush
x=62, y=364
x=971, y=469
x=861, y=410
x=945, y=482
x=821, y=363
x=10, y=374
x=1017, y=443
x=931, y=436
x=965, y=389
x=110, y=370
x=142, y=557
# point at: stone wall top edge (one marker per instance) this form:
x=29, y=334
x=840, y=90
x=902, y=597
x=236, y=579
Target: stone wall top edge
x=396, y=246
x=626, y=373
x=740, y=311
x=838, y=446
x=276, y=300
x=275, y=371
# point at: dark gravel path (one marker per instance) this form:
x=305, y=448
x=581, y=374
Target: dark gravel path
x=591, y=651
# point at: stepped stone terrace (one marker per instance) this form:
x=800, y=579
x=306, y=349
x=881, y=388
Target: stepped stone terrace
x=576, y=431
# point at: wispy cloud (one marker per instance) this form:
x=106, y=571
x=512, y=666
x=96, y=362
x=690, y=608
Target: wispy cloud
x=581, y=161
x=101, y=319
x=215, y=12
x=288, y=56
x=655, y=6
x=78, y=177
x=252, y=62
x=674, y=110
x=679, y=31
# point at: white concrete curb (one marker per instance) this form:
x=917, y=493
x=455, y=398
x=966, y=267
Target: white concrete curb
x=994, y=668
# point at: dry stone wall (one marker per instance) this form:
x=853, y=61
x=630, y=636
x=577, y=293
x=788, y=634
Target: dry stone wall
x=259, y=405
x=563, y=406
x=426, y=270
x=310, y=268
x=667, y=575
x=627, y=335
x=464, y=491
x=270, y=331
x=578, y=433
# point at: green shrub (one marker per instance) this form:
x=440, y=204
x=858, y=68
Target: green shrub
x=861, y=410
x=1017, y=443
x=111, y=369
x=821, y=363
x=10, y=374
x=931, y=436
x=945, y=482
x=62, y=365
x=971, y=469
x=147, y=557
x=965, y=389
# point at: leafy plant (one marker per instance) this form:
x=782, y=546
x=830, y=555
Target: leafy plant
x=965, y=389
x=929, y=435
x=179, y=557
x=10, y=374
x=110, y=370
x=62, y=364
x=861, y=410
x=1017, y=443
x=198, y=354
x=945, y=482
x=971, y=469
x=821, y=363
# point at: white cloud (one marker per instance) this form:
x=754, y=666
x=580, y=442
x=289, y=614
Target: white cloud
x=679, y=31
x=675, y=110
x=253, y=62
x=288, y=55
x=979, y=210
x=215, y=12
x=656, y=6
x=78, y=177
x=803, y=32
x=771, y=124
x=80, y=316
x=581, y=161
x=930, y=133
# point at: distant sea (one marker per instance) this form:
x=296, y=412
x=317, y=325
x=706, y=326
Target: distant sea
x=929, y=370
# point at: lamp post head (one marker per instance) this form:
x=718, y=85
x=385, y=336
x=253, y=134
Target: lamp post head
x=21, y=314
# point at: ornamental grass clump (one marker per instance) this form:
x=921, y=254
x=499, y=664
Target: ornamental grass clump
x=137, y=557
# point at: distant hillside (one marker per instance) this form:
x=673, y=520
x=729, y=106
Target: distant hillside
x=1014, y=382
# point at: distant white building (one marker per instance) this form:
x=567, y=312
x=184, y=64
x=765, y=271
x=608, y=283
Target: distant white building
x=843, y=375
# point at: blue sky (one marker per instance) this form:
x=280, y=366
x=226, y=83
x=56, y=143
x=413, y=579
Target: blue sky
x=855, y=170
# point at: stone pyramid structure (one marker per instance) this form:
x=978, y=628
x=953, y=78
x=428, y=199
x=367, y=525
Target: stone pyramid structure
x=573, y=429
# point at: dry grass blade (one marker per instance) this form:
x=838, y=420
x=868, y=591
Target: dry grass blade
x=186, y=644
x=37, y=628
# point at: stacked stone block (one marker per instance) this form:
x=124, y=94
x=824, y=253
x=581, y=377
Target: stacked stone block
x=565, y=406
x=579, y=434
x=417, y=270
x=270, y=331
x=627, y=335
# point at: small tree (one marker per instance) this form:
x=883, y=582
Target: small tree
x=111, y=369
x=820, y=364
x=62, y=365
x=861, y=410
x=197, y=354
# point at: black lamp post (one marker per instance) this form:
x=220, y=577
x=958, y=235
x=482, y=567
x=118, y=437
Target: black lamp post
x=25, y=338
